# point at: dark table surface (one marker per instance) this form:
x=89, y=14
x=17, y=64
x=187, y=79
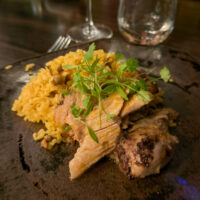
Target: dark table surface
x=29, y=27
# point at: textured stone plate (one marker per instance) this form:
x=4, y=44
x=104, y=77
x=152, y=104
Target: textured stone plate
x=30, y=172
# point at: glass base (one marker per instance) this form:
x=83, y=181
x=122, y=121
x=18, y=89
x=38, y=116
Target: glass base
x=86, y=32
x=146, y=38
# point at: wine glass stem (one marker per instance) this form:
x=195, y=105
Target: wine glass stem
x=90, y=21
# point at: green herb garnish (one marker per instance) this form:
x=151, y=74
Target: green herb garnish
x=141, y=84
x=93, y=135
x=97, y=82
x=110, y=116
x=76, y=111
x=88, y=109
x=165, y=74
x=70, y=67
x=66, y=128
x=64, y=92
x=119, y=56
x=132, y=64
x=121, y=93
x=89, y=54
x=144, y=95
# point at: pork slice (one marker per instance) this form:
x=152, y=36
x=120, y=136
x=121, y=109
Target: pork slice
x=112, y=105
x=90, y=152
x=133, y=104
x=107, y=132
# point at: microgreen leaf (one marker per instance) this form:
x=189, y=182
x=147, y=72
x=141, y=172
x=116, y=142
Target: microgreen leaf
x=93, y=135
x=144, y=95
x=105, y=75
x=76, y=111
x=89, y=54
x=122, y=93
x=64, y=92
x=141, y=84
x=70, y=67
x=66, y=128
x=88, y=109
x=94, y=64
x=110, y=116
x=132, y=64
x=165, y=74
x=119, y=56
x=109, y=89
x=112, y=82
x=77, y=76
x=82, y=88
x=121, y=69
x=95, y=94
x=85, y=68
x=131, y=86
x=86, y=101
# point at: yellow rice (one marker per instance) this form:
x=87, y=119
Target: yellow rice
x=29, y=66
x=8, y=67
x=36, y=102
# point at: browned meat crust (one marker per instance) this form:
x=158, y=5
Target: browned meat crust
x=148, y=147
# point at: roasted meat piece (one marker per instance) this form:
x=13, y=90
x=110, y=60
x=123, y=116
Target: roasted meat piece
x=133, y=104
x=107, y=132
x=90, y=152
x=148, y=146
x=112, y=105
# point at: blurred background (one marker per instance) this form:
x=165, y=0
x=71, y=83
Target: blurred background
x=29, y=27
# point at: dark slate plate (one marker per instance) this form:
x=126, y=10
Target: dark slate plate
x=30, y=172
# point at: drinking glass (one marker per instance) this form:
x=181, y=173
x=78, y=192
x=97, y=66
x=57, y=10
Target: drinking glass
x=89, y=31
x=146, y=22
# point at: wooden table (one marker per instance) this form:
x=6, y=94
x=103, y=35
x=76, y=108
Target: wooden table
x=29, y=27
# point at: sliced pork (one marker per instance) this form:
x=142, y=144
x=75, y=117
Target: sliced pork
x=90, y=152
x=133, y=104
x=107, y=131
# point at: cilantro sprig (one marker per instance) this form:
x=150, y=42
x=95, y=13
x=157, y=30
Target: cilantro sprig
x=66, y=128
x=165, y=74
x=97, y=82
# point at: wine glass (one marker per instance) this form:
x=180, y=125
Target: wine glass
x=146, y=22
x=88, y=31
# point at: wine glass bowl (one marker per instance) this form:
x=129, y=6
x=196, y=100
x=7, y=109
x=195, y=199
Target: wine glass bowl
x=89, y=31
x=146, y=22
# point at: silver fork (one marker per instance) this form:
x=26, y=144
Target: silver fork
x=62, y=42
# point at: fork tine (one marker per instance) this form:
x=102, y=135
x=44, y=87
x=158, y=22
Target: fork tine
x=54, y=44
x=68, y=42
x=60, y=43
x=63, y=44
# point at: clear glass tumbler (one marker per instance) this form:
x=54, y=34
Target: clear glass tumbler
x=146, y=22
